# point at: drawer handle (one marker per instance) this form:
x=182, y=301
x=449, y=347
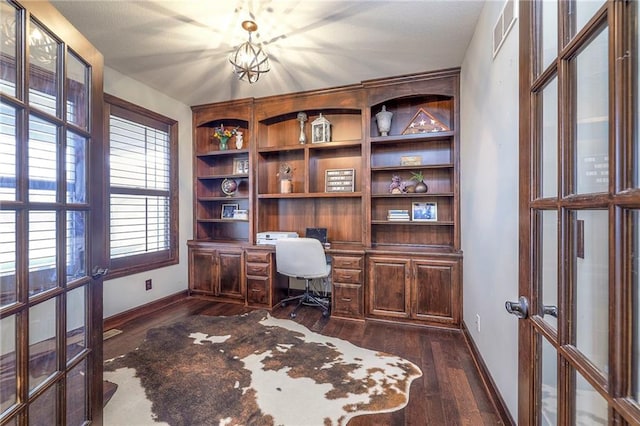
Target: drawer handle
x=256, y=290
x=345, y=277
x=346, y=299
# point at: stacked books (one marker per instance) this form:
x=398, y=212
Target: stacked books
x=398, y=215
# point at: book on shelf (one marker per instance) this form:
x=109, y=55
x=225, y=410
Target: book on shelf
x=398, y=215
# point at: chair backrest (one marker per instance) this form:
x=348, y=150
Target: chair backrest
x=301, y=258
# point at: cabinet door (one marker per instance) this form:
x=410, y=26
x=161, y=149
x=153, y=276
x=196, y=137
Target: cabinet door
x=202, y=271
x=231, y=275
x=435, y=293
x=389, y=291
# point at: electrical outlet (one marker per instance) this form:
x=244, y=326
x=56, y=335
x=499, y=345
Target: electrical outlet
x=478, y=322
x=147, y=284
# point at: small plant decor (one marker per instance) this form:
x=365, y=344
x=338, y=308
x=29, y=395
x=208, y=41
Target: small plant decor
x=419, y=178
x=285, y=175
x=285, y=172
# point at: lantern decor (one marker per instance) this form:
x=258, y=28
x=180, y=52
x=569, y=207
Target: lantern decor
x=320, y=130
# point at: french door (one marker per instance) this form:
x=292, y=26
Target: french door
x=51, y=236
x=579, y=347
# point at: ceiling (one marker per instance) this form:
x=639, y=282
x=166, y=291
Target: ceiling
x=181, y=48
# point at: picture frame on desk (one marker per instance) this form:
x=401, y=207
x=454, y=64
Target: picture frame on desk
x=228, y=210
x=424, y=212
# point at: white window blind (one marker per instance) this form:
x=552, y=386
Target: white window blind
x=140, y=183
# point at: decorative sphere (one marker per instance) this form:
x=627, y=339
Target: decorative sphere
x=229, y=187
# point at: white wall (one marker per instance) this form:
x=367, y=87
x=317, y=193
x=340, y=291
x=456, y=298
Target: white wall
x=122, y=294
x=489, y=198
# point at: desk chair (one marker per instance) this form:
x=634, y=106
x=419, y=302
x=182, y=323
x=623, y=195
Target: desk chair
x=303, y=258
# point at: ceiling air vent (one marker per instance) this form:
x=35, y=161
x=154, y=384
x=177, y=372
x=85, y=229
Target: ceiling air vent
x=505, y=21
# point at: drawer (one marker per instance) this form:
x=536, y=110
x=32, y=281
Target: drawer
x=347, y=300
x=349, y=276
x=260, y=269
x=347, y=262
x=258, y=256
x=258, y=291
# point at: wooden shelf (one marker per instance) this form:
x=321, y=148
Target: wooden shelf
x=226, y=152
x=221, y=220
x=404, y=138
x=414, y=195
x=224, y=198
x=412, y=168
x=412, y=223
x=224, y=176
x=313, y=195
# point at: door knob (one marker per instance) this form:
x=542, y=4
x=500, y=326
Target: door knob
x=519, y=308
x=98, y=272
x=550, y=310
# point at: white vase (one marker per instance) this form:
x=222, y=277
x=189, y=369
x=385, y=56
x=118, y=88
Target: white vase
x=383, y=118
x=239, y=140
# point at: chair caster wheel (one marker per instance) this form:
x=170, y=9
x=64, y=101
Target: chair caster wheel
x=325, y=314
x=283, y=304
x=293, y=315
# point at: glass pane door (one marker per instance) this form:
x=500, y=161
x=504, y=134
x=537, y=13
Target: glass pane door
x=48, y=337
x=580, y=223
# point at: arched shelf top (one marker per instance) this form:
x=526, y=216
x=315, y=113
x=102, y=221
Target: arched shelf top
x=227, y=122
x=414, y=99
x=293, y=115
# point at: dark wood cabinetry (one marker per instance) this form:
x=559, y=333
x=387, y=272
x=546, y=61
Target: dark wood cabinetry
x=217, y=271
x=264, y=287
x=384, y=265
x=415, y=288
x=389, y=286
x=212, y=166
x=423, y=139
x=348, y=277
x=277, y=144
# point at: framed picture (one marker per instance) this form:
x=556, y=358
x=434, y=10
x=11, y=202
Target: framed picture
x=228, y=210
x=241, y=214
x=424, y=212
x=240, y=166
x=410, y=160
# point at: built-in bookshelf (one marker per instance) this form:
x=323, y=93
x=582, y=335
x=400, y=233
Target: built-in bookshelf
x=397, y=245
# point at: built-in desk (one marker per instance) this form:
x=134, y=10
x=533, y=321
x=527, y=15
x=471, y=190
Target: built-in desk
x=420, y=286
x=242, y=273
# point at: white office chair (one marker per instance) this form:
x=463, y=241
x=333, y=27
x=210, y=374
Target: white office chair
x=303, y=258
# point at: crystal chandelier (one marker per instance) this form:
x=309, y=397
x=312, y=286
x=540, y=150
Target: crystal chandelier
x=249, y=60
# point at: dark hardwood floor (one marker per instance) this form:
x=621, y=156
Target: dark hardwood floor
x=450, y=392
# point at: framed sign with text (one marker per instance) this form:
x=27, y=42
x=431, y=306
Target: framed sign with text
x=339, y=180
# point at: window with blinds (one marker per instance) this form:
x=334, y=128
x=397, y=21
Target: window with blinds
x=142, y=188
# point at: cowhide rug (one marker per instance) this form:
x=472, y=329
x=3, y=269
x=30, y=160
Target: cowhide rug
x=252, y=369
